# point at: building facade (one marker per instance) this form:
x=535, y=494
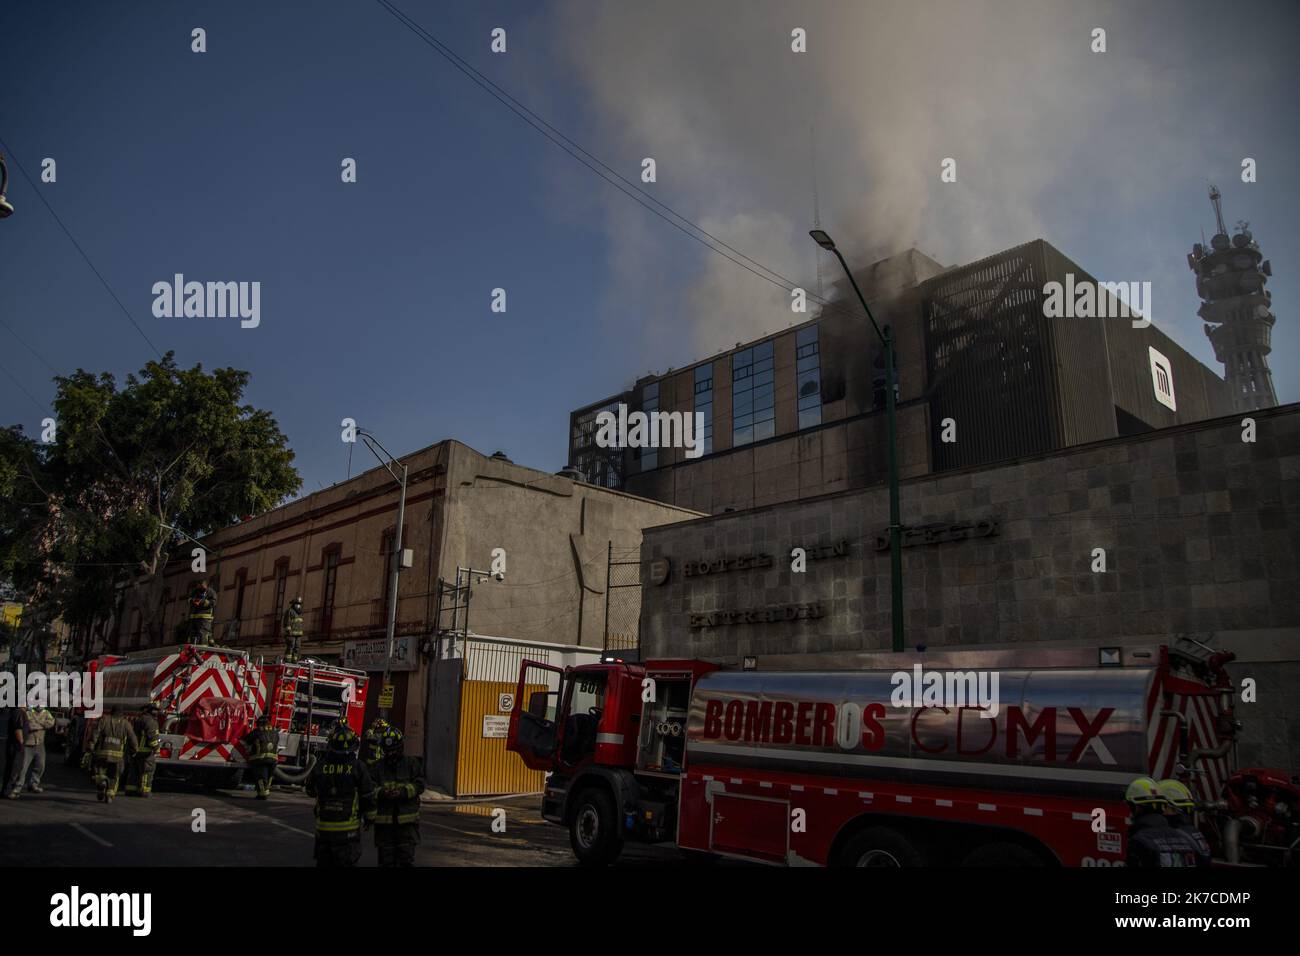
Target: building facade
x=985, y=372
x=552, y=537
x=1190, y=531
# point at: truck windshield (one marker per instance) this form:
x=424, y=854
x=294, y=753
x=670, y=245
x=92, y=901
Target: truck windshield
x=586, y=705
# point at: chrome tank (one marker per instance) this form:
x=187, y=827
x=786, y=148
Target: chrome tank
x=937, y=746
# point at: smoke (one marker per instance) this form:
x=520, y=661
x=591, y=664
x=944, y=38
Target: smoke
x=712, y=91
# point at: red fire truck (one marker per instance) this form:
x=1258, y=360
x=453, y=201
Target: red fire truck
x=208, y=698
x=822, y=767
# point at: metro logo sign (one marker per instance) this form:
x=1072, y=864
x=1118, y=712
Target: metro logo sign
x=937, y=731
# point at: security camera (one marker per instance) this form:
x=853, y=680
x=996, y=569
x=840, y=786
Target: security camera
x=499, y=575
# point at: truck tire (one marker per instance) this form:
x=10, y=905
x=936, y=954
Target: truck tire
x=1002, y=854
x=880, y=846
x=593, y=828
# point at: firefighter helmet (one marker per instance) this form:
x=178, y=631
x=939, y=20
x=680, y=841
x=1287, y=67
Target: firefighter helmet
x=343, y=739
x=391, y=740
x=1175, y=792
x=1143, y=792
x=263, y=720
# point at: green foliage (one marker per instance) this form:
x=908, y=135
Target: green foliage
x=172, y=446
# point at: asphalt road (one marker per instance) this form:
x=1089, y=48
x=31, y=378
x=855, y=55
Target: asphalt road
x=67, y=826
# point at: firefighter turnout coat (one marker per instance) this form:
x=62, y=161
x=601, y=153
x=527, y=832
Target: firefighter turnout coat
x=344, y=793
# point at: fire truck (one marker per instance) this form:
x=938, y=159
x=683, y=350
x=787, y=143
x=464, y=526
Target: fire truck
x=209, y=697
x=823, y=767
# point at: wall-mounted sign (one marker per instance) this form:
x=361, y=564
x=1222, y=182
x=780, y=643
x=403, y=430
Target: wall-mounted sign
x=762, y=615
x=659, y=568
x=1162, y=379
x=494, y=726
x=370, y=655
x=505, y=703
x=939, y=533
x=386, y=696
x=750, y=562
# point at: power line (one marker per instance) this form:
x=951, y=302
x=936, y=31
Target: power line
x=104, y=282
x=39, y=356
x=35, y=401
x=601, y=168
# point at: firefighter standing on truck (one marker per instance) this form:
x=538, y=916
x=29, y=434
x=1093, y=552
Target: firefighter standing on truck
x=262, y=744
x=203, y=602
x=108, y=750
x=1180, y=805
x=291, y=622
x=399, y=781
x=1152, y=841
x=139, y=775
x=344, y=795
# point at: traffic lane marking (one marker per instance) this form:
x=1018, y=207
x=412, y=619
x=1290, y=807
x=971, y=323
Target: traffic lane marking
x=82, y=830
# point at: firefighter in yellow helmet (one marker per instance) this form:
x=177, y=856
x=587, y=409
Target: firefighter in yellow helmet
x=114, y=739
x=345, y=795
x=1180, y=807
x=262, y=745
x=399, y=781
x=139, y=777
x=1152, y=842
x=372, y=750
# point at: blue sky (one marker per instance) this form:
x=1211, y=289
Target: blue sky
x=375, y=295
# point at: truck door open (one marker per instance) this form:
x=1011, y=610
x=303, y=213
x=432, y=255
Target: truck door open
x=534, y=720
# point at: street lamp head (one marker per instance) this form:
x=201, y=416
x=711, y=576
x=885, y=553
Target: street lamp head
x=6, y=207
x=822, y=239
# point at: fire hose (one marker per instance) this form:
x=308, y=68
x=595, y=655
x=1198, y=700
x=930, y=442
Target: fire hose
x=295, y=777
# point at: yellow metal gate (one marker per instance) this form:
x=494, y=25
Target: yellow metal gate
x=483, y=765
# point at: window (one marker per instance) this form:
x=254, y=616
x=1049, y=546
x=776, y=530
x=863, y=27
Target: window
x=386, y=548
x=649, y=404
x=281, y=582
x=808, y=384
x=704, y=404
x=331, y=586
x=753, y=417
x=241, y=586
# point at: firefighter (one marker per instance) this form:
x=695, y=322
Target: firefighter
x=262, y=746
x=292, y=624
x=1152, y=842
x=372, y=750
x=108, y=750
x=1180, y=806
x=203, y=603
x=344, y=796
x=139, y=776
x=399, y=781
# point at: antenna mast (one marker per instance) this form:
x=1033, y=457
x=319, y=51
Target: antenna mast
x=1215, y=196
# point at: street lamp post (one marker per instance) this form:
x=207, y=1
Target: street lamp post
x=373, y=443
x=895, y=523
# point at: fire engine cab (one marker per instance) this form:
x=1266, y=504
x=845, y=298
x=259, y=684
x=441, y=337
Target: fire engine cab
x=821, y=767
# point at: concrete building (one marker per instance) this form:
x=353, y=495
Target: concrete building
x=464, y=510
x=1191, y=530
x=980, y=361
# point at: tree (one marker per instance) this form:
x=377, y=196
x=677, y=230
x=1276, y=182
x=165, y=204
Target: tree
x=172, y=448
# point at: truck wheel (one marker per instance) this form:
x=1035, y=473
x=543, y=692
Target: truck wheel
x=1002, y=854
x=880, y=846
x=593, y=831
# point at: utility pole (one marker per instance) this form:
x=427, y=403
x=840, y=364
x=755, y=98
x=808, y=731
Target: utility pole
x=395, y=575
